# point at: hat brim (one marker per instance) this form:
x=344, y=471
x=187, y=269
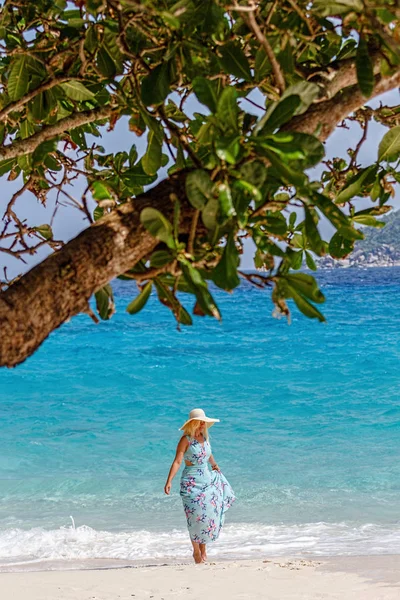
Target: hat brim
x=210, y=422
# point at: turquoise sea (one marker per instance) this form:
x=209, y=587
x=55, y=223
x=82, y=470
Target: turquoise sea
x=309, y=435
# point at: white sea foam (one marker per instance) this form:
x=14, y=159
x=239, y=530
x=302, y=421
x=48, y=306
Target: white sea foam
x=26, y=548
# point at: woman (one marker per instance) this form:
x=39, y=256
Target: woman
x=206, y=495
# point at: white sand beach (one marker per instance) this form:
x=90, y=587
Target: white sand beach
x=337, y=578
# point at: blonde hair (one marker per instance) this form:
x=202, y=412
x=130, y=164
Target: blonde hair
x=190, y=429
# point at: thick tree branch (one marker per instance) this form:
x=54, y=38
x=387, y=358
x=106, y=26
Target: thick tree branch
x=345, y=75
x=61, y=286
x=22, y=147
x=321, y=119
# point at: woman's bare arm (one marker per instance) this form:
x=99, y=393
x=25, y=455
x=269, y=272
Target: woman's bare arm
x=213, y=463
x=180, y=451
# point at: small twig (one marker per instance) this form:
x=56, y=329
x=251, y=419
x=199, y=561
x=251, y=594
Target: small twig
x=92, y=315
x=265, y=280
x=193, y=228
x=15, y=196
x=250, y=19
x=47, y=85
x=255, y=104
x=271, y=12
x=13, y=253
x=302, y=15
x=152, y=273
x=181, y=137
x=261, y=209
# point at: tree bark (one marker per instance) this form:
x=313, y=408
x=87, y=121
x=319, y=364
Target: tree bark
x=61, y=286
x=326, y=115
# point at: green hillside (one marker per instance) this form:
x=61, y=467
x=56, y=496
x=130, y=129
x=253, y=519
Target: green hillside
x=387, y=236
x=380, y=248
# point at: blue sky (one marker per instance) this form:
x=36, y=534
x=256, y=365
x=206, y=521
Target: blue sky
x=69, y=221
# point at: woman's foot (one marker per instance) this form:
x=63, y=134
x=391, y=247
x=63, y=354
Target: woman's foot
x=197, y=557
x=203, y=552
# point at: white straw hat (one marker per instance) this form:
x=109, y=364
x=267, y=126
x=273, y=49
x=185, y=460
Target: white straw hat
x=198, y=414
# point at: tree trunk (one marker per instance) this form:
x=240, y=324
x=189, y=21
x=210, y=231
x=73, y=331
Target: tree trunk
x=61, y=286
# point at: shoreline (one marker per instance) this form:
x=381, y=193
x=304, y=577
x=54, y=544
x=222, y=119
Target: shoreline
x=345, y=577
x=118, y=564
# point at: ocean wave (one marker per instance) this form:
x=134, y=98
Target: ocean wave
x=26, y=548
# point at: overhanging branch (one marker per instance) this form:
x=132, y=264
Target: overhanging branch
x=22, y=147
x=61, y=286
x=321, y=119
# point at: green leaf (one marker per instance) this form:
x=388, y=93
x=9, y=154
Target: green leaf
x=364, y=68
x=6, y=165
x=296, y=258
x=45, y=231
x=389, y=148
x=368, y=221
x=209, y=214
x=157, y=225
x=234, y=61
x=307, y=91
x=336, y=216
x=100, y=191
x=151, y=161
x=200, y=290
x=132, y=155
x=199, y=188
x=310, y=262
x=306, y=307
x=141, y=299
x=249, y=188
x=339, y=247
x=168, y=298
x=18, y=79
x=282, y=170
x=160, y=258
x=42, y=105
x=205, y=91
x=254, y=172
x=136, y=177
x=326, y=8
x=98, y=213
x=225, y=201
x=228, y=148
x=77, y=91
x=262, y=64
x=311, y=230
x=105, y=302
x=306, y=286
x=44, y=148
x=278, y=114
x=303, y=149
x=356, y=184
x=225, y=273
x=26, y=129
x=302, y=288
x=105, y=63
x=156, y=85
x=227, y=109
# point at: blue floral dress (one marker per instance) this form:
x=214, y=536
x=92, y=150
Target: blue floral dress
x=206, y=494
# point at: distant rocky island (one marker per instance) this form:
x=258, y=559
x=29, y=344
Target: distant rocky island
x=380, y=248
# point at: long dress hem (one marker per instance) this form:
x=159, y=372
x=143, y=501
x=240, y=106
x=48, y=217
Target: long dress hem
x=206, y=494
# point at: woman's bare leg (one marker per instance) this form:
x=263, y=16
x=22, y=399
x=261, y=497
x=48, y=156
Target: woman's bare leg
x=203, y=551
x=196, y=553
